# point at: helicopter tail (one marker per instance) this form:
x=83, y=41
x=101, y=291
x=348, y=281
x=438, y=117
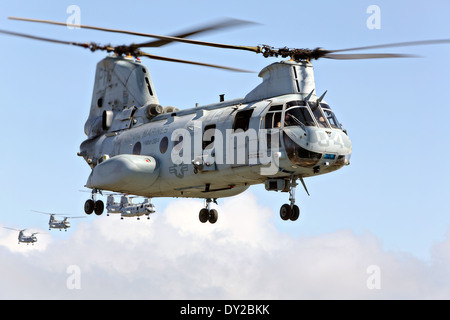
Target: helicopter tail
x=123, y=95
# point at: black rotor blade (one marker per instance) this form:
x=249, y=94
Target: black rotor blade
x=227, y=23
x=396, y=45
x=14, y=229
x=17, y=34
x=167, y=38
x=151, y=56
x=49, y=213
x=366, y=56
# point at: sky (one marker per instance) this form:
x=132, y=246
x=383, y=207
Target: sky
x=377, y=229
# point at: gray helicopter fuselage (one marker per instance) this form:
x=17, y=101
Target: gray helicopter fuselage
x=126, y=208
x=26, y=239
x=279, y=130
x=59, y=224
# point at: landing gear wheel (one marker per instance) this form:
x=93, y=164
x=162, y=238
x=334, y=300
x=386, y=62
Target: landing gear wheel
x=203, y=215
x=89, y=206
x=285, y=212
x=98, y=207
x=295, y=213
x=213, y=216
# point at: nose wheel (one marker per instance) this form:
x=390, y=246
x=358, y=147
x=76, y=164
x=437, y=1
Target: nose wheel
x=208, y=214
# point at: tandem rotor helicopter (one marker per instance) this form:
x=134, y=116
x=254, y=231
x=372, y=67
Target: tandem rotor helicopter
x=53, y=223
x=24, y=238
x=126, y=207
x=278, y=134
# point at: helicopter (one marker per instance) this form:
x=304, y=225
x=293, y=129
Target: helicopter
x=278, y=134
x=127, y=208
x=23, y=238
x=53, y=223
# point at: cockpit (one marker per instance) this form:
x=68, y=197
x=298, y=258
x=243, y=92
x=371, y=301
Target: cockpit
x=311, y=134
x=301, y=113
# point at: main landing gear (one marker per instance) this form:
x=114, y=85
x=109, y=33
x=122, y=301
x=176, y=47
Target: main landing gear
x=207, y=214
x=291, y=211
x=93, y=205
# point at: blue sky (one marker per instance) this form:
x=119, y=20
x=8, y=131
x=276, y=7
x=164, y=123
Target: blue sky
x=395, y=110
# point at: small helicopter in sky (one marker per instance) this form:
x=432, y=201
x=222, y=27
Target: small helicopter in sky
x=24, y=238
x=278, y=134
x=53, y=223
x=126, y=207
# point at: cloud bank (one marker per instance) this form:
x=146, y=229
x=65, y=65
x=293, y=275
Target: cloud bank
x=242, y=256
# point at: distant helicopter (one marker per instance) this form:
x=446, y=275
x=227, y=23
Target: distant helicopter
x=53, y=223
x=23, y=238
x=127, y=208
x=278, y=134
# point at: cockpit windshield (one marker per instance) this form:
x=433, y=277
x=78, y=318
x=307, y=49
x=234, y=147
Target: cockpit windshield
x=297, y=114
x=301, y=113
x=317, y=112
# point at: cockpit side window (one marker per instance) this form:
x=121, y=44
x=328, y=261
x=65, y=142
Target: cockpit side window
x=330, y=116
x=273, y=117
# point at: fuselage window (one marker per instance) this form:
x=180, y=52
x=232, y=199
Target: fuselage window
x=137, y=148
x=242, y=120
x=163, y=145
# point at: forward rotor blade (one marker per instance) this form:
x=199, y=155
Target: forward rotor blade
x=151, y=56
x=17, y=34
x=396, y=45
x=50, y=214
x=167, y=38
x=366, y=56
x=227, y=23
x=14, y=229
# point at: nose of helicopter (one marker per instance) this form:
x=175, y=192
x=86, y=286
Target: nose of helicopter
x=317, y=149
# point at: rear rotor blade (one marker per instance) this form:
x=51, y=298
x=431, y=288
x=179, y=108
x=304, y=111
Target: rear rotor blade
x=151, y=56
x=395, y=45
x=167, y=38
x=366, y=56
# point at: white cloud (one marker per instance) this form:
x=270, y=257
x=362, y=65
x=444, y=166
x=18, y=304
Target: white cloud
x=242, y=256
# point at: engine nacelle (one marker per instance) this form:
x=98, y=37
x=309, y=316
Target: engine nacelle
x=124, y=172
